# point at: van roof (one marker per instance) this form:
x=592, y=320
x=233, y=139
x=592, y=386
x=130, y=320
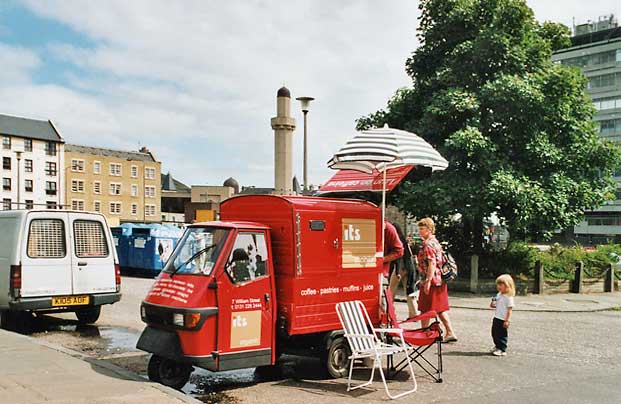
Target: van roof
x=25, y=212
x=232, y=225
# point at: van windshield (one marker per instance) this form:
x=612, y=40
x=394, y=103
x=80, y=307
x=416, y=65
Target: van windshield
x=197, y=251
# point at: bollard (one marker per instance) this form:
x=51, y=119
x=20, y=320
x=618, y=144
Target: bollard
x=610, y=278
x=578, y=276
x=474, y=273
x=539, y=280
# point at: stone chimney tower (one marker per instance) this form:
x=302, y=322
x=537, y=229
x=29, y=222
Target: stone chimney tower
x=283, y=125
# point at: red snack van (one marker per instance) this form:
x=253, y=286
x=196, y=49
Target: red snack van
x=264, y=281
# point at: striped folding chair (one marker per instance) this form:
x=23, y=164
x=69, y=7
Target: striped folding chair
x=364, y=343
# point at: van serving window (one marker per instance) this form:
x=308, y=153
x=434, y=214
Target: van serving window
x=46, y=239
x=90, y=239
x=317, y=225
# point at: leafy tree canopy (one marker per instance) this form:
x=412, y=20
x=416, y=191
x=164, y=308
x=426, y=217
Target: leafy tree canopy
x=517, y=129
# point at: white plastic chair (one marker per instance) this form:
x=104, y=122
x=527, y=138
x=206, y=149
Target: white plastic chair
x=365, y=343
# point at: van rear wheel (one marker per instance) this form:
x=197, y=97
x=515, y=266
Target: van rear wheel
x=336, y=360
x=168, y=372
x=88, y=315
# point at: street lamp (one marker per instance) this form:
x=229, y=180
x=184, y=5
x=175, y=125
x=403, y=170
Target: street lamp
x=305, y=102
x=18, y=155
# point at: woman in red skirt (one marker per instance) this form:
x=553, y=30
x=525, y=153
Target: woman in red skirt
x=433, y=292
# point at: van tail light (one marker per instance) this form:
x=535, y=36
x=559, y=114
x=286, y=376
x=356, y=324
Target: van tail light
x=117, y=277
x=16, y=280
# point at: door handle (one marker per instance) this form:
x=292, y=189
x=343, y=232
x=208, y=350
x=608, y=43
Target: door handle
x=335, y=243
x=82, y=264
x=267, y=297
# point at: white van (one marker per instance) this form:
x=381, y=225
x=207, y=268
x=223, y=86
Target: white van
x=56, y=261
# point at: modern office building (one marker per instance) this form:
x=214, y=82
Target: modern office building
x=32, y=161
x=123, y=185
x=596, y=49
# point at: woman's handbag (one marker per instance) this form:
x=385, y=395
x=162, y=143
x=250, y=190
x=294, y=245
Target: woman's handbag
x=449, y=267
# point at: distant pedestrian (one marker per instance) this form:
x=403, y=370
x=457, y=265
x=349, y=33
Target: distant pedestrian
x=503, y=304
x=433, y=291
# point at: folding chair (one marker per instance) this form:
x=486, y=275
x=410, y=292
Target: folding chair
x=420, y=340
x=364, y=343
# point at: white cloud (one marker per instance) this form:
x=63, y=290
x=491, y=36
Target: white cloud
x=195, y=81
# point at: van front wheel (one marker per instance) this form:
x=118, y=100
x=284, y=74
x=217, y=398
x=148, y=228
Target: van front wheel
x=88, y=315
x=168, y=372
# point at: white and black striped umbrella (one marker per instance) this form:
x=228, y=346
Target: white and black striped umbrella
x=384, y=148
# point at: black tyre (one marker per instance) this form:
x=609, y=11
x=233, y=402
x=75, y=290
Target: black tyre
x=168, y=372
x=88, y=315
x=4, y=319
x=336, y=360
x=18, y=321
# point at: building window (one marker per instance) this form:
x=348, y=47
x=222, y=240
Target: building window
x=28, y=165
x=97, y=187
x=6, y=184
x=27, y=144
x=50, y=168
x=77, y=165
x=149, y=210
x=29, y=204
x=134, y=190
x=605, y=80
x=50, y=188
x=115, y=208
x=51, y=205
x=77, y=204
x=6, y=163
x=77, y=186
x=6, y=142
x=97, y=206
x=149, y=173
x=97, y=167
x=6, y=204
x=115, y=169
x=149, y=192
x=50, y=148
x=29, y=186
x=134, y=209
x=134, y=171
x=115, y=188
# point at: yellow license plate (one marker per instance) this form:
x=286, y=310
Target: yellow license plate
x=70, y=300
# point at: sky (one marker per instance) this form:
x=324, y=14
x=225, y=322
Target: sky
x=196, y=81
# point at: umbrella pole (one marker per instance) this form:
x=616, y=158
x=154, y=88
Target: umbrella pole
x=383, y=209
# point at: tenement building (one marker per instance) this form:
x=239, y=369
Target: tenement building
x=123, y=185
x=596, y=49
x=32, y=161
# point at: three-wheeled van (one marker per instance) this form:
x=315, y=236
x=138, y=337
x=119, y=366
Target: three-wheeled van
x=262, y=282
x=56, y=261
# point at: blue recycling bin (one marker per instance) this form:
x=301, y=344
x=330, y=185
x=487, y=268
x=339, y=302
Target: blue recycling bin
x=151, y=245
x=121, y=235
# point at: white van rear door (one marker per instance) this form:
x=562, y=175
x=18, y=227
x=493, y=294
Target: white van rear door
x=46, y=255
x=93, y=255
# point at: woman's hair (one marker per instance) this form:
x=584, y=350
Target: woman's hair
x=507, y=280
x=428, y=223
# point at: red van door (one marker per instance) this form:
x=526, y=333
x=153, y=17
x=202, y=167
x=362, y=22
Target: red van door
x=246, y=301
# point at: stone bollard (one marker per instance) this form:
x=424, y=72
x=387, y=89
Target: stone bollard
x=474, y=273
x=610, y=278
x=539, y=277
x=578, y=276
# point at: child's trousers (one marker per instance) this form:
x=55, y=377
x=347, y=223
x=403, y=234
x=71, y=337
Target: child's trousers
x=500, y=334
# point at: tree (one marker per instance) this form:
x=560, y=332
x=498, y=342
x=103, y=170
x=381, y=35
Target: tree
x=517, y=129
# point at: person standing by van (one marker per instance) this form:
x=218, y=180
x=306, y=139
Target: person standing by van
x=401, y=271
x=434, y=292
x=393, y=248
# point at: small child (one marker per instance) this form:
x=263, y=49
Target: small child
x=503, y=303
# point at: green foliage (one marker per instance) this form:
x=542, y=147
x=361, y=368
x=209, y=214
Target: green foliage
x=519, y=259
x=517, y=130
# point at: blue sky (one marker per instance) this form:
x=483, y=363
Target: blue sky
x=195, y=81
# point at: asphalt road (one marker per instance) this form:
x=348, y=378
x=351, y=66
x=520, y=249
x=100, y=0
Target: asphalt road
x=560, y=358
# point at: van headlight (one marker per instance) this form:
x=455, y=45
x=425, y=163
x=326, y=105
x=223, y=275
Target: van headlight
x=178, y=319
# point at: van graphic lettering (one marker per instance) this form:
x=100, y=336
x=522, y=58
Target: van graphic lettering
x=359, y=238
x=245, y=329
